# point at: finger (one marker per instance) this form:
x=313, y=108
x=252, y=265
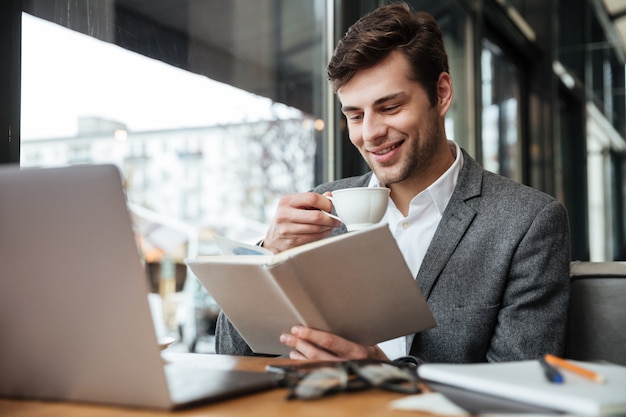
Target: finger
x=334, y=345
x=304, y=221
x=286, y=236
x=294, y=354
x=306, y=350
x=327, y=342
x=308, y=200
x=303, y=349
x=295, y=223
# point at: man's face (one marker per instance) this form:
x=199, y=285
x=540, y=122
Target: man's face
x=391, y=121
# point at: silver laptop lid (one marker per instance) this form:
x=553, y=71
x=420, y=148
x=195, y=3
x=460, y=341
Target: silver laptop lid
x=74, y=317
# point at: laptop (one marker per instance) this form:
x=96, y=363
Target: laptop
x=75, y=322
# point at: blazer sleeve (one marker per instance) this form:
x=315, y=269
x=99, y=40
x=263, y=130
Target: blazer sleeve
x=496, y=274
x=533, y=315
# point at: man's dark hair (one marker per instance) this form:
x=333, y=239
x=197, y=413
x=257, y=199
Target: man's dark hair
x=393, y=27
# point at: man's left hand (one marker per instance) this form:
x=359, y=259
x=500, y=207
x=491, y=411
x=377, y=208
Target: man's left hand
x=309, y=343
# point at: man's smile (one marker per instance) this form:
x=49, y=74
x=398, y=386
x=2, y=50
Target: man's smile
x=386, y=149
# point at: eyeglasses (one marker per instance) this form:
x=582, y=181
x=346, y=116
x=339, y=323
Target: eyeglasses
x=315, y=380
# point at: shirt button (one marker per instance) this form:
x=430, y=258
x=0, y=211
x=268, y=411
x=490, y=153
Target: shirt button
x=405, y=225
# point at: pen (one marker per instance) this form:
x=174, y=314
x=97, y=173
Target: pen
x=567, y=365
x=551, y=373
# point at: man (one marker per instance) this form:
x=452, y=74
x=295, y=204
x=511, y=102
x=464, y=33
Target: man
x=491, y=256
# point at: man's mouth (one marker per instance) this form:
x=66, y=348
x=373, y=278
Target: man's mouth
x=387, y=149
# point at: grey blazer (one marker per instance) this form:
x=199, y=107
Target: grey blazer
x=496, y=274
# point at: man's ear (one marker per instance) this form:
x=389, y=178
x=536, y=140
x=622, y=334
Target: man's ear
x=445, y=93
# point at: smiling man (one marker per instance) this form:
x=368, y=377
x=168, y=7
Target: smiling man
x=490, y=255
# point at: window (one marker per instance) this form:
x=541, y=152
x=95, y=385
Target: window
x=501, y=144
x=211, y=110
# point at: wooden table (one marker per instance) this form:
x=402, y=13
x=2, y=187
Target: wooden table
x=269, y=403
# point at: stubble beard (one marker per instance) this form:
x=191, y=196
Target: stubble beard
x=412, y=163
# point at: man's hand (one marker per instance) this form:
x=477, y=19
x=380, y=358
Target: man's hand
x=308, y=343
x=299, y=219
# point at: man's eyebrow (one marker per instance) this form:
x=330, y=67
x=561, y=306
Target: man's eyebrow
x=378, y=102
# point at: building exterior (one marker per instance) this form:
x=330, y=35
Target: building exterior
x=223, y=178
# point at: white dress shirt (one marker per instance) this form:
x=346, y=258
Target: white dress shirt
x=414, y=232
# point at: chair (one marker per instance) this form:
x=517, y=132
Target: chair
x=596, y=328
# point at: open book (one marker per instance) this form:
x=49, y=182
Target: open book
x=356, y=285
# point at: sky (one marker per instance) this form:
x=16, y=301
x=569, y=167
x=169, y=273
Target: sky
x=66, y=75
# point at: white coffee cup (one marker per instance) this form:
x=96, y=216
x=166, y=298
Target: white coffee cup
x=360, y=207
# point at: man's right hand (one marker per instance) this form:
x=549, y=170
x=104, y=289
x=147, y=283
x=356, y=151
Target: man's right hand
x=298, y=220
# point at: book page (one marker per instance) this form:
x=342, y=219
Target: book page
x=252, y=301
x=363, y=287
x=231, y=247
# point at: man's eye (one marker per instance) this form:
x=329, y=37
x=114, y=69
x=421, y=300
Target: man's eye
x=354, y=117
x=390, y=109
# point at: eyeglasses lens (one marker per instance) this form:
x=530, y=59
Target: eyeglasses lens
x=389, y=377
x=320, y=382
x=309, y=382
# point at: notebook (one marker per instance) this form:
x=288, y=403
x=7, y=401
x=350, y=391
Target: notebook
x=521, y=387
x=75, y=323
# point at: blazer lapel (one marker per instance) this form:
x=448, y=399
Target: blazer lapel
x=456, y=219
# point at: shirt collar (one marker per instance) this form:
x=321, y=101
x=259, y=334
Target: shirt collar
x=441, y=190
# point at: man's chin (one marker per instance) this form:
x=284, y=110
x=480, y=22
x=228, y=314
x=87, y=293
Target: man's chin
x=385, y=179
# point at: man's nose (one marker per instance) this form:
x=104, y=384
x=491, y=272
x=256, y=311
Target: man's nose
x=373, y=127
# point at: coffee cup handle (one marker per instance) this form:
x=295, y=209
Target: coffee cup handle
x=332, y=216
